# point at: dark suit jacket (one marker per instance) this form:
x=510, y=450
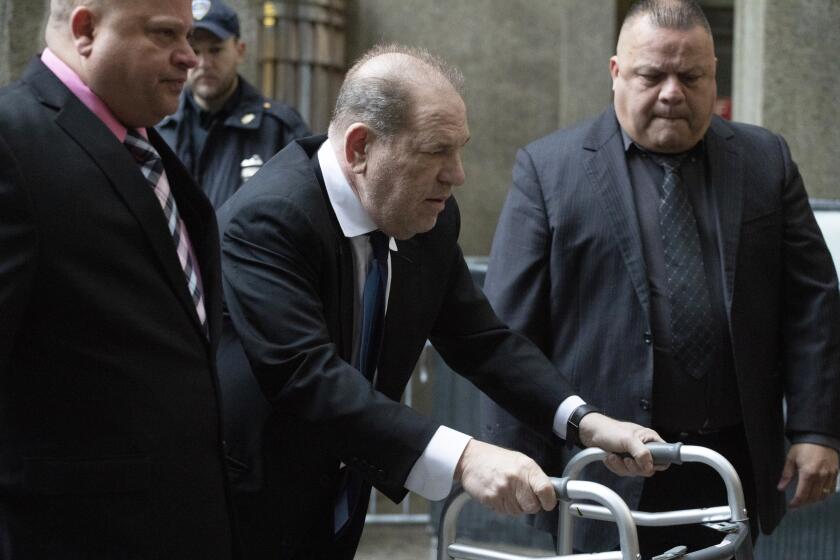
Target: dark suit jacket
x=110, y=434
x=288, y=279
x=567, y=270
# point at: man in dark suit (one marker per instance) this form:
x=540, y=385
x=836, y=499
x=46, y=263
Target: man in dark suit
x=110, y=421
x=670, y=264
x=314, y=248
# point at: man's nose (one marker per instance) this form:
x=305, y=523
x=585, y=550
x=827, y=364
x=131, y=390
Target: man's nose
x=453, y=173
x=671, y=91
x=185, y=56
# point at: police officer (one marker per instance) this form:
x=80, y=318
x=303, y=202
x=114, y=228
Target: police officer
x=224, y=129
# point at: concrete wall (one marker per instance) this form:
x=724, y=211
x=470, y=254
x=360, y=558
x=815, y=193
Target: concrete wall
x=21, y=35
x=530, y=66
x=787, y=78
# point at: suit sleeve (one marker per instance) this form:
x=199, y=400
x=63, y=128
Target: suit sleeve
x=811, y=322
x=504, y=364
x=274, y=266
x=518, y=285
x=517, y=282
x=18, y=249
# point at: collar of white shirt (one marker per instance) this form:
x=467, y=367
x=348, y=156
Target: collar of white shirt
x=352, y=216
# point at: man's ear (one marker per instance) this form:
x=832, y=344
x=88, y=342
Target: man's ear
x=357, y=140
x=614, y=67
x=82, y=24
x=240, y=50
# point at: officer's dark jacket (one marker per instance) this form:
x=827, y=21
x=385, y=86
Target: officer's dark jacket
x=250, y=131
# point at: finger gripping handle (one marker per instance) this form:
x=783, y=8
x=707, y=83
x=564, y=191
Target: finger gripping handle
x=560, y=488
x=665, y=453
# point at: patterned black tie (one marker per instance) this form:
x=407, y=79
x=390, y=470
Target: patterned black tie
x=692, y=324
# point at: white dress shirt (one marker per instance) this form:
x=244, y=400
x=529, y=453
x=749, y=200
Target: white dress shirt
x=433, y=472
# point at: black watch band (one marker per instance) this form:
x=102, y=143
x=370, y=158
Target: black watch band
x=573, y=425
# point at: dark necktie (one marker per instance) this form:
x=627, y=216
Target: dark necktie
x=373, y=305
x=370, y=343
x=692, y=324
x=152, y=168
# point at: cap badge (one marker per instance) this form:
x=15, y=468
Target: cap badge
x=248, y=118
x=200, y=8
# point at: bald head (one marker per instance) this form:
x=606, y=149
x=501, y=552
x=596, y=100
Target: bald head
x=381, y=88
x=681, y=15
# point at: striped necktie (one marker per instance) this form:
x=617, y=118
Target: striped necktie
x=152, y=168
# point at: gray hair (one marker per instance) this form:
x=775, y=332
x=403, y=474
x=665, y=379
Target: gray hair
x=383, y=100
x=670, y=14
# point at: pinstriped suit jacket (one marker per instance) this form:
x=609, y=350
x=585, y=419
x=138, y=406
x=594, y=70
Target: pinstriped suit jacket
x=567, y=269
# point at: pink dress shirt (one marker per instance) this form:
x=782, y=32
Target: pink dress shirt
x=98, y=107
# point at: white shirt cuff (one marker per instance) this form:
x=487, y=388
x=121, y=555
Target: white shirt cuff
x=561, y=417
x=431, y=476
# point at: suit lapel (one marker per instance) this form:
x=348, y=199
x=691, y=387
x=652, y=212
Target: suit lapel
x=606, y=167
x=726, y=177
x=119, y=167
x=345, y=271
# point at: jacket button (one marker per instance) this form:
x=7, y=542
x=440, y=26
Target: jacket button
x=648, y=338
x=645, y=404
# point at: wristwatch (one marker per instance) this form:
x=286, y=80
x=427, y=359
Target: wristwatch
x=573, y=425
